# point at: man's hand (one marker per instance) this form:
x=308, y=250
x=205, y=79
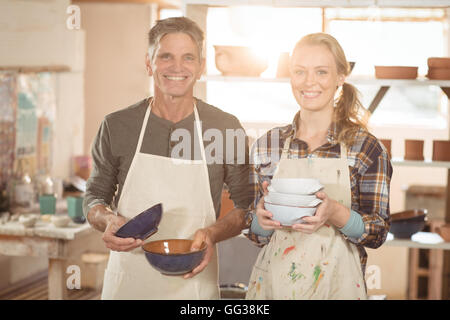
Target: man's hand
x=200, y=236
x=116, y=243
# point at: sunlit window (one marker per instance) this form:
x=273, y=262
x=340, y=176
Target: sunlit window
x=370, y=36
x=399, y=37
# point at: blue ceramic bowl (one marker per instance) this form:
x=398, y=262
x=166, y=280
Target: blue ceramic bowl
x=143, y=225
x=173, y=256
x=407, y=223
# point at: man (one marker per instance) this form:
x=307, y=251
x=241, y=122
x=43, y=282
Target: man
x=135, y=150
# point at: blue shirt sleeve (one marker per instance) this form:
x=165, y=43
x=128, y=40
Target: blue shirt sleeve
x=354, y=227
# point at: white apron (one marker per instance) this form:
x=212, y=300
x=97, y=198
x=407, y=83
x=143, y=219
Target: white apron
x=321, y=265
x=182, y=186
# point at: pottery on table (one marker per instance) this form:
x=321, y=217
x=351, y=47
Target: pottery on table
x=173, y=256
x=47, y=204
x=239, y=61
x=60, y=221
x=75, y=209
x=28, y=220
x=414, y=150
x=143, y=225
x=395, y=72
x=441, y=150
x=387, y=145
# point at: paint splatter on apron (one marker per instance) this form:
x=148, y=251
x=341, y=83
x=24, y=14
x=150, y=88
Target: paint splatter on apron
x=322, y=265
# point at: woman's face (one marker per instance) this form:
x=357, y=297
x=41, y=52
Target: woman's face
x=314, y=77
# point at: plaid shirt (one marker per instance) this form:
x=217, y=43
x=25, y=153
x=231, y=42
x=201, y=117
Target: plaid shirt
x=370, y=176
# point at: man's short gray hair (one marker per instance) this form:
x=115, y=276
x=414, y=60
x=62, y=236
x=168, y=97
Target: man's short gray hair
x=173, y=25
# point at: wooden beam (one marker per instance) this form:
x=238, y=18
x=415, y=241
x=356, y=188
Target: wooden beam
x=166, y=4
x=32, y=69
x=379, y=96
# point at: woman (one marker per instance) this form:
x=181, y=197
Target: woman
x=324, y=257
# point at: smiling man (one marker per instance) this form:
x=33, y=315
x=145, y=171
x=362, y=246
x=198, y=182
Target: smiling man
x=136, y=167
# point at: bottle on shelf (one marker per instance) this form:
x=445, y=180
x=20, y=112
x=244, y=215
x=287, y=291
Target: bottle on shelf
x=44, y=184
x=22, y=189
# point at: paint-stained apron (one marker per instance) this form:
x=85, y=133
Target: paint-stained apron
x=321, y=265
x=182, y=186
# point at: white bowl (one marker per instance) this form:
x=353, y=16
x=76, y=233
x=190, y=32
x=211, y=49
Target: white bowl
x=296, y=186
x=295, y=200
x=287, y=215
x=60, y=221
x=28, y=220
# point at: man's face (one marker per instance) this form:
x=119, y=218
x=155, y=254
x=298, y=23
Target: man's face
x=176, y=65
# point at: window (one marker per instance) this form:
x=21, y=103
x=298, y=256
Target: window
x=403, y=37
x=382, y=37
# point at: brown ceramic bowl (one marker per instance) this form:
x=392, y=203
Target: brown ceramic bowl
x=387, y=145
x=239, y=61
x=395, y=72
x=414, y=150
x=438, y=73
x=438, y=62
x=444, y=232
x=408, y=214
x=441, y=150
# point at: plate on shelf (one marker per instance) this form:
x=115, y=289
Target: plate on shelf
x=143, y=225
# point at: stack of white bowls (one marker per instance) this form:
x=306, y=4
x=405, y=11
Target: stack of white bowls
x=291, y=199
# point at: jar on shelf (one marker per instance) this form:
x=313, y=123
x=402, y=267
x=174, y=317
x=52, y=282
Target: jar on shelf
x=23, y=193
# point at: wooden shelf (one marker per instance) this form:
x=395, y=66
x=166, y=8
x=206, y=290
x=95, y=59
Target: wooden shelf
x=161, y=3
x=32, y=69
x=357, y=80
x=420, y=240
x=426, y=163
x=324, y=3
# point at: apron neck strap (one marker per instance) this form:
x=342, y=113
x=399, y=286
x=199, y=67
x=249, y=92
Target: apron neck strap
x=197, y=124
x=343, y=151
x=287, y=143
x=144, y=125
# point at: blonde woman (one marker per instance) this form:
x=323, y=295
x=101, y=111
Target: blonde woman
x=323, y=257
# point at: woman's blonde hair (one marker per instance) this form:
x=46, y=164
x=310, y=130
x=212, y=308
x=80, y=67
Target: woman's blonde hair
x=349, y=114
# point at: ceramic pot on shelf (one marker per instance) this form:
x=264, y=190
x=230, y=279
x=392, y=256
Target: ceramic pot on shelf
x=283, y=65
x=414, y=150
x=239, y=61
x=441, y=150
x=387, y=145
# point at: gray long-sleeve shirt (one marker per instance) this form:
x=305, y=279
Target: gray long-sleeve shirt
x=116, y=142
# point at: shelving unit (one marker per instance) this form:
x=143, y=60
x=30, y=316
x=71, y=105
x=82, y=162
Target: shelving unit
x=197, y=10
x=383, y=84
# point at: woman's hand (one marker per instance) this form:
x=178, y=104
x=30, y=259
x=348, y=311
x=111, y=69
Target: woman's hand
x=328, y=211
x=264, y=216
x=116, y=243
